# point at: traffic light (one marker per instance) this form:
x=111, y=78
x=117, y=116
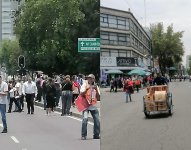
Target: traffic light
x=21, y=61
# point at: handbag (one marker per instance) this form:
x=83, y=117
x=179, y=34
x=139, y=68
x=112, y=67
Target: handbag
x=81, y=103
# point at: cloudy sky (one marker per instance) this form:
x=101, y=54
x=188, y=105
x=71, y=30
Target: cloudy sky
x=166, y=11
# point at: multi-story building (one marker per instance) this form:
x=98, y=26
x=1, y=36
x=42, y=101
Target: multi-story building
x=125, y=45
x=187, y=61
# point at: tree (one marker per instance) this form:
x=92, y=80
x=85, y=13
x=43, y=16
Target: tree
x=9, y=53
x=167, y=47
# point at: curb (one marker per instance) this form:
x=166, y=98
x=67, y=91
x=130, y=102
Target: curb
x=74, y=114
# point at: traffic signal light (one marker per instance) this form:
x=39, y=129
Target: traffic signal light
x=21, y=61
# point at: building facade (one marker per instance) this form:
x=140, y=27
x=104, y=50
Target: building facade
x=125, y=45
x=187, y=61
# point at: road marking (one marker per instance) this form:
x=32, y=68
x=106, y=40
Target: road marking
x=1, y=125
x=67, y=116
x=14, y=139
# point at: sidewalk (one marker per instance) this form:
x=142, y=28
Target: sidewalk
x=74, y=111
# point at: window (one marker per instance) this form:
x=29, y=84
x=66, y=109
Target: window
x=135, y=54
x=136, y=44
x=122, y=39
x=104, y=38
x=132, y=26
x=113, y=39
x=105, y=52
x=120, y=23
x=128, y=40
x=103, y=20
x=114, y=53
x=122, y=53
x=132, y=41
x=127, y=24
x=112, y=21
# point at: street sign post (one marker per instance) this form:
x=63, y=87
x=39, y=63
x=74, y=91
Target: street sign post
x=90, y=45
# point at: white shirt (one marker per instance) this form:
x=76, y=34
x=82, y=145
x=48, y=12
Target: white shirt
x=83, y=89
x=3, y=88
x=29, y=88
x=20, y=88
x=12, y=92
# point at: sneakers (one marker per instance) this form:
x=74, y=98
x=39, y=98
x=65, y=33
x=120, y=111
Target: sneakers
x=96, y=137
x=4, y=131
x=83, y=138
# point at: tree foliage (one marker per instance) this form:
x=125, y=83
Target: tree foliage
x=48, y=31
x=167, y=46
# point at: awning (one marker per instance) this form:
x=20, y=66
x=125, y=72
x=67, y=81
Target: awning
x=122, y=68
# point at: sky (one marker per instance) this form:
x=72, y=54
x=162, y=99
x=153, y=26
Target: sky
x=176, y=12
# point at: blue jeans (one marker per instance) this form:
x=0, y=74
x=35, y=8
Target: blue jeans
x=104, y=85
x=57, y=97
x=128, y=93
x=8, y=97
x=95, y=115
x=3, y=114
x=44, y=99
x=19, y=103
x=66, y=102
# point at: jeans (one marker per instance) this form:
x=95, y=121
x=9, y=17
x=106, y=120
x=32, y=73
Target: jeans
x=128, y=93
x=3, y=114
x=95, y=115
x=137, y=88
x=57, y=97
x=66, y=102
x=44, y=99
x=103, y=85
x=8, y=97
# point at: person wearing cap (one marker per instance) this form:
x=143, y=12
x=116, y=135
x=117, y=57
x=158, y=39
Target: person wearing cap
x=66, y=96
x=159, y=80
x=95, y=95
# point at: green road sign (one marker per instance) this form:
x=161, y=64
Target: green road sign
x=173, y=68
x=89, y=45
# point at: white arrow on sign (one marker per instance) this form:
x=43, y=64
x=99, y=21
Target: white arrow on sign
x=82, y=44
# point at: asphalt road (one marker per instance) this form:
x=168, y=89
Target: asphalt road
x=40, y=132
x=124, y=126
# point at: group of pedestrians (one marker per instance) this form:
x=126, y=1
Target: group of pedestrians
x=51, y=89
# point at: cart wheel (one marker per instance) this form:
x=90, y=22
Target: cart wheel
x=147, y=114
x=171, y=109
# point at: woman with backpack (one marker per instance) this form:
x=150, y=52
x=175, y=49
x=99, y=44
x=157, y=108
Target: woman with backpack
x=127, y=88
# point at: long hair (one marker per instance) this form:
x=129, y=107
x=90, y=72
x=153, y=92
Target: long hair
x=67, y=79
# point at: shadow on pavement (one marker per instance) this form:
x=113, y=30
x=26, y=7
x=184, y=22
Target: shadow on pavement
x=158, y=116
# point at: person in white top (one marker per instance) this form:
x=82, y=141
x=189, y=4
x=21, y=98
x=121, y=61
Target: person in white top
x=21, y=96
x=17, y=86
x=30, y=91
x=95, y=94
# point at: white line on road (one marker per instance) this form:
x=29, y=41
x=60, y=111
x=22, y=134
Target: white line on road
x=1, y=125
x=67, y=116
x=14, y=139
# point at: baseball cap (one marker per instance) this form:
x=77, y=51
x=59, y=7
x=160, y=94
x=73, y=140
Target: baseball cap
x=91, y=76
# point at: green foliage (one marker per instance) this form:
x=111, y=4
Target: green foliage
x=167, y=46
x=48, y=31
x=188, y=70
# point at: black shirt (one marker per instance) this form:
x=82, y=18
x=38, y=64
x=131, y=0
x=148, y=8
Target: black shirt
x=67, y=87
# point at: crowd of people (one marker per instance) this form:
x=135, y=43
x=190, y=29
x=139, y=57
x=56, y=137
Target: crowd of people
x=53, y=90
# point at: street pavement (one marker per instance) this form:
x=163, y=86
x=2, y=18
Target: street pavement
x=124, y=126
x=40, y=132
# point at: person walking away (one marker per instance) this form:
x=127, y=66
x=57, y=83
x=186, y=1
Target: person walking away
x=30, y=91
x=134, y=79
x=112, y=85
x=3, y=98
x=21, y=96
x=66, y=96
x=90, y=87
x=118, y=80
x=57, y=86
x=13, y=99
x=50, y=94
x=130, y=82
x=8, y=95
x=43, y=86
x=38, y=83
x=184, y=78
x=137, y=82
x=115, y=84
x=76, y=89
x=127, y=87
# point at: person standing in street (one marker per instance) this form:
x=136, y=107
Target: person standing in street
x=66, y=96
x=50, y=93
x=76, y=89
x=137, y=83
x=16, y=96
x=3, y=98
x=90, y=87
x=43, y=86
x=38, y=85
x=111, y=85
x=21, y=96
x=57, y=86
x=30, y=91
x=115, y=84
x=127, y=88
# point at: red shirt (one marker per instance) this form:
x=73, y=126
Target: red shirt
x=76, y=85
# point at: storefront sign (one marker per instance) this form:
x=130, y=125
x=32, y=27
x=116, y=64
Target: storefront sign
x=127, y=62
x=103, y=75
x=108, y=61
